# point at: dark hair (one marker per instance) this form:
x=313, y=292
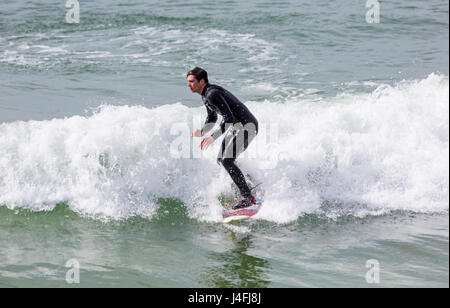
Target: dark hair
x=199, y=74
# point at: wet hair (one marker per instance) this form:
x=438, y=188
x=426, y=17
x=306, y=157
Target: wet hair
x=199, y=74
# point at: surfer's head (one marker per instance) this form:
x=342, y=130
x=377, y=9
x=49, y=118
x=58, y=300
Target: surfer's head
x=197, y=79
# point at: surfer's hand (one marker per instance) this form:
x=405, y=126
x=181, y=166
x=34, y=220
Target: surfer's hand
x=196, y=133
x=206, y=142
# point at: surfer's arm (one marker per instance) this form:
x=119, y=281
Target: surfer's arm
x=216, y=98
x=211, y=119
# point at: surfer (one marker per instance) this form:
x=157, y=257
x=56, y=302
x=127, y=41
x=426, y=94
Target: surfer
x=238, y=122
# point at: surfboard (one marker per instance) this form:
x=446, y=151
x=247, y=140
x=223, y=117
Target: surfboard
x=227, y=201
x=230, y=215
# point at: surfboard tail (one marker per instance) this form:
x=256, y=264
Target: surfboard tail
x=240, y=214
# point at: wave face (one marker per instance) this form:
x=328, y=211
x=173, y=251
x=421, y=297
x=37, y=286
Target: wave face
x=352, y=154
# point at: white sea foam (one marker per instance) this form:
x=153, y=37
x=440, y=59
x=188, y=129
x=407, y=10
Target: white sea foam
x=363, y=154
x=144, y=44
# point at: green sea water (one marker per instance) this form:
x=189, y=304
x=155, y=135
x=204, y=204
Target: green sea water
x=174, y=250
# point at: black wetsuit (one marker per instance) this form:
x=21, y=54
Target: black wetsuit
x=240, y=124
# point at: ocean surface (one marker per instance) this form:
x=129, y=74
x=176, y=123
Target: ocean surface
x=101, y=185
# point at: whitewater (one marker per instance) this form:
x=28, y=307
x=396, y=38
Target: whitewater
x=353, y=154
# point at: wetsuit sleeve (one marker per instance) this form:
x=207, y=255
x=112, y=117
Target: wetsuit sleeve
x=211, y=119
x=217, y=99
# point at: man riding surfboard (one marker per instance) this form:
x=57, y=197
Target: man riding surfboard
x=238, y=122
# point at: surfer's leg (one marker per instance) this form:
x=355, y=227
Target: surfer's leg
x=237, y=176
x=230, y=150
x=227, y=158
x=236, y=141
x=244, y=137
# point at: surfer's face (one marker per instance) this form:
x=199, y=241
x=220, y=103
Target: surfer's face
x=195, y=85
